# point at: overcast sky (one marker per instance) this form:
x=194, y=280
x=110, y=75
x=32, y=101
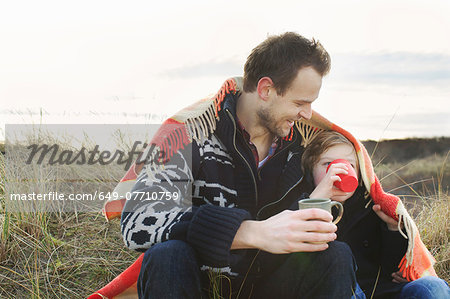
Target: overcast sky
x=130, y=61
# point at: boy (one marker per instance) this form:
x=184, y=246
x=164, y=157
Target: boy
x=373, y=236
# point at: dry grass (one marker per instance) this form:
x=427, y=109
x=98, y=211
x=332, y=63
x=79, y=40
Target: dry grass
x=423, y=185
x=51, y=250
x=434, y=226
x=427, y=176
x=72, y=257
x=66, y=254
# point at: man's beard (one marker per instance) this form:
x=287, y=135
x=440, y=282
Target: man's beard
x=268, y=120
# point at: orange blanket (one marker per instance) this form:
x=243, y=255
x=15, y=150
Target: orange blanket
x=199, y=120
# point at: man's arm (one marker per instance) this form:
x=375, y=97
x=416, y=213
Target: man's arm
x=159, y=207
x=288, y=231
x=208, y=228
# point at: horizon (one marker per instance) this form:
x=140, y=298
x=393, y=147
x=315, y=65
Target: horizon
x=140, y=132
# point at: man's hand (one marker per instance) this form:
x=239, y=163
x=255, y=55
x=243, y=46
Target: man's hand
x=326, y=189
x=288, y=231
x=391, y=223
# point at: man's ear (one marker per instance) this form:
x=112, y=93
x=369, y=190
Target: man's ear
x=265, y=86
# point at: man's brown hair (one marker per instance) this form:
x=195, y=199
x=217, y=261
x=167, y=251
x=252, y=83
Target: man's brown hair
x=280, y=57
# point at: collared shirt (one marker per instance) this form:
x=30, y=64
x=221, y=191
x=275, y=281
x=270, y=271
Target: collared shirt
x=277, y=142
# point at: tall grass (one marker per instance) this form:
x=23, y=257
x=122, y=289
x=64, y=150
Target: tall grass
x=71, y=253
x=51, y=250
x=433, y=223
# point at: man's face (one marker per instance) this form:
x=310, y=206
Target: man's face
x=280, y=112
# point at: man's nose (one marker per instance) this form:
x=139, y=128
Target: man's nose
x=306, y=112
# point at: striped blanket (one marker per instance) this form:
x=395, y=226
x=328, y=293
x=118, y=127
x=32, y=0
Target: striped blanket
x=199, y=120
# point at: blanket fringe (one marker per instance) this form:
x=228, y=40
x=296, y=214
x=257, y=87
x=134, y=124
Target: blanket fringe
x=200, y=121
x=307, y=131
x=200, y=126
x=196, y=122
x=289, y=136
x=410, y=228
x=229, y=86
x=417, y=266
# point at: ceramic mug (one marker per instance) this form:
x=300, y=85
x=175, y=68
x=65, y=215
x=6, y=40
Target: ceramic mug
x=321, y=203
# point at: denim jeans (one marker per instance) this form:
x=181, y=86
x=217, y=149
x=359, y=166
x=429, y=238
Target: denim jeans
x=358, y=293
x=171, y=270
x=428, y=287
x=323, y=274
x=425, y=288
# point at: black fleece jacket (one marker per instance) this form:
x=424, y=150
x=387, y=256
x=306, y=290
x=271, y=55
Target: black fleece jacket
x=220, y=186
x=375, y=248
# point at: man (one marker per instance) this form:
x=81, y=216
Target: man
x=242, y=223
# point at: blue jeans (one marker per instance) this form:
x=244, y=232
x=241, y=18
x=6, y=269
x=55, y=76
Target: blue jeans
x=358, y=293
x=171, y=270
x=424, y=288
x=428, y=287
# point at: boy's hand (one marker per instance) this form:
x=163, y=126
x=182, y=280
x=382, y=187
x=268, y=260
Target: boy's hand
x=391, y=223
x=326, y=188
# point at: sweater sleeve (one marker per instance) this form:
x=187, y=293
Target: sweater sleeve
x=151, y=215
x=212, y=230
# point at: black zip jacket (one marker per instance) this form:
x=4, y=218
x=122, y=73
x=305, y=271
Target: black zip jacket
x=220, y=186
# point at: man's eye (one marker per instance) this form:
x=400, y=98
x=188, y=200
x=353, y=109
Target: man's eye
x=327, y=163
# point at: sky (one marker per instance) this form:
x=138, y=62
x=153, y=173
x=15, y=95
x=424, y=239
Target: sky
x=87, y=62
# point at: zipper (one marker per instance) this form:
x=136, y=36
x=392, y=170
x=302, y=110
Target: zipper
x=275, y=202
x=260, y=168
x=246, y=162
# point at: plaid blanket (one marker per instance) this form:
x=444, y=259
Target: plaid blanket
x=199, y=120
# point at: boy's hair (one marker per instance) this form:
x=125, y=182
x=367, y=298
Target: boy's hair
x=280, y=57
x=321, y=143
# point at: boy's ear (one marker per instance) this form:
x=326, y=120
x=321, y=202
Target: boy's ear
x=265, y=88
